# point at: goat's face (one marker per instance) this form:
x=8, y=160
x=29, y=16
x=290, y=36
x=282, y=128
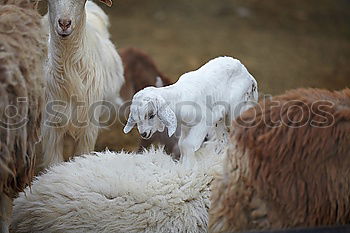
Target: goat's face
x=151, y=114
x=65, y=15
x=146, y=117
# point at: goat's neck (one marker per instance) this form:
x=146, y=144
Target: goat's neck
x=68, y=63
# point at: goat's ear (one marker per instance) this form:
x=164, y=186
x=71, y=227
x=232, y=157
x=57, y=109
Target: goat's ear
x=107, y=2
x=129, y=125
x=168, y=117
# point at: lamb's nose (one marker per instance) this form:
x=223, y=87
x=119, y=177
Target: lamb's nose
x=144, y=134
x=64, y=24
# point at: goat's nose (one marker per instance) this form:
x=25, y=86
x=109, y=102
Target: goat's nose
x=144, y=134
x=64, y=24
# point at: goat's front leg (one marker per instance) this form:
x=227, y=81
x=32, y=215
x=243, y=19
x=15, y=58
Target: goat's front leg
x=5, y=212
x=190, y=142
x=86, y=143
x=52, y=145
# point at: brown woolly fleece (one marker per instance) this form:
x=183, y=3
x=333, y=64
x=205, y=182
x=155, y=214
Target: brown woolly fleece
x=140, y=71
x=22, y=53
x=288, y=165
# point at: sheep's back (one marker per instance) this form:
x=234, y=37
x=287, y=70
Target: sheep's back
x=22, y=50
x=117, y=192
x=288, y=175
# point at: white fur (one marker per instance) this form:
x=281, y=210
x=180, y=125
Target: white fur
x=119, y=192
x=159, y=82
x=84, y=66
x=222, y=80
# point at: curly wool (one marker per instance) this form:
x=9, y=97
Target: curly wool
x=22, y=52
x=291, y=175
x=119, y=192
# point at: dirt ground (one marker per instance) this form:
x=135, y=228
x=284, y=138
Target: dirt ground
x=284, y=43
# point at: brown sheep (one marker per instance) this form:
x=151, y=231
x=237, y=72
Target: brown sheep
x=22, y=53
x=140, y=71
x=288, y=165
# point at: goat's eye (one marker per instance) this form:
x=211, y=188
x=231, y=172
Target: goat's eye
x=152, y=116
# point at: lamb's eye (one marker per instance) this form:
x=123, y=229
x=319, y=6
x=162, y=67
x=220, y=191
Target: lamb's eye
x=152, y=116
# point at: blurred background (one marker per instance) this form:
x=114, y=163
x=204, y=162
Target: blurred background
x=285, y=44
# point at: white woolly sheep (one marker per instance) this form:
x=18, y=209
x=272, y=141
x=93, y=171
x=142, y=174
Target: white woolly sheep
x=288, y=166
x=119, y=192
x=202, y=97
x=83, y=69
x=22, y=53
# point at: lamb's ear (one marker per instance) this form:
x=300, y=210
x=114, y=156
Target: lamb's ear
x=168, y=117
x=107, y=2
x=129, y=125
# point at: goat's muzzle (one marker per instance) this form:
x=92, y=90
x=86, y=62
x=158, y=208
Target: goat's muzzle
x=64, y=27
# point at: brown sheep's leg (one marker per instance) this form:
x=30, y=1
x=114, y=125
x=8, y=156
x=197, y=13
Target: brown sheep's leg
x=5, y=212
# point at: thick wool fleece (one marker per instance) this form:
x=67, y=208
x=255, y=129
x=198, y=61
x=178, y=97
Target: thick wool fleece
x=119, y=192
x=22, y=53
x=289, y=175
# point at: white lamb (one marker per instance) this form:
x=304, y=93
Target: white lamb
x=83, y=70
x=218, y=91
x=119, y=192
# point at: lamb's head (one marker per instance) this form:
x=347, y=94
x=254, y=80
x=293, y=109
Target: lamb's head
x=151, y=113
x=65, y=15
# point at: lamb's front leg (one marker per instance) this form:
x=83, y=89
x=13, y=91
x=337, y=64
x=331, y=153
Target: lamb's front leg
x=5, y=212
x=190, y=142
x=187, y=152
